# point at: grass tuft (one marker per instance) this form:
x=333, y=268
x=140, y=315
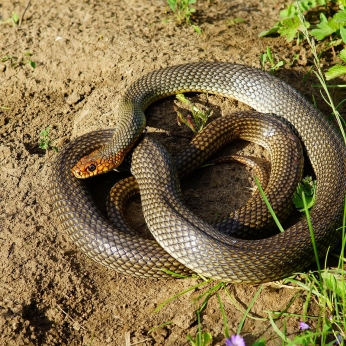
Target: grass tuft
x=183, y=12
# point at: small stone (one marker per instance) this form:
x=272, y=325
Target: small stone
x=2, y=67
x=4, y=152
x=159, y=335
x=73, y=98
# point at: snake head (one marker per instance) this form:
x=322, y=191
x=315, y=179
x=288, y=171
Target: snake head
x=97, y=163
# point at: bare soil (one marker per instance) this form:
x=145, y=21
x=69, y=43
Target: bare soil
x=87, y=53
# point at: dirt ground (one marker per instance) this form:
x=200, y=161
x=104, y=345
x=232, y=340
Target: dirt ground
x=87, y=53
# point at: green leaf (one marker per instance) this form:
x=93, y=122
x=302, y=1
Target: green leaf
x=263, y=59
x=289, y=28
x=340, y=17
x=343, y=33
x=333, y=24
x=260, y=342
x=335, y=71
x=334, y=283
x=172, y=4
x=288, y=12
x=279, y=64
x=15, y=18
x=304, y=5
x=235, y=21
x=325, y=28
x=45, y=132
x=304, y=339
x=272, y=31
x=197, y=29
x=205, y=337
x=342, y=54
x=335, y=43
x=308, y=187
x=32, y=64
x=269, y=55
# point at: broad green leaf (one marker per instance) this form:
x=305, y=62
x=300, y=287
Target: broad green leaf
x=288, y=12
x=335, y=71
x=308, y=186
x=289, y=28
x=340, y=17
x=333, y=24
x=325, y=28
x=342, y=54
x=343, y=33
x=334, y=283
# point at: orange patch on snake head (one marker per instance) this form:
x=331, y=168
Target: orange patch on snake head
x=96, y=163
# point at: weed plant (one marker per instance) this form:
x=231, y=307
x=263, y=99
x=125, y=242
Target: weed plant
x=45, y=141
x=183, y=12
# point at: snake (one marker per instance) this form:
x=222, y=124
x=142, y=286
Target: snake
x=195, y=244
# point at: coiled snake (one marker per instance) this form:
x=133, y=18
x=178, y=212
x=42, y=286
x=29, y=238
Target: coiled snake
x=197, y=245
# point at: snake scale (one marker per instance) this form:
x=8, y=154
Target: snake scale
x=197, y=245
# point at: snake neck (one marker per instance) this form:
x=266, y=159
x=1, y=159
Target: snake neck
x=131, y=124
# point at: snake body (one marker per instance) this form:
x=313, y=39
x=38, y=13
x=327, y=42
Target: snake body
x=211, y=254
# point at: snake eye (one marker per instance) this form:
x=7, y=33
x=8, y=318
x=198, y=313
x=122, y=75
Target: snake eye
x=91, y=167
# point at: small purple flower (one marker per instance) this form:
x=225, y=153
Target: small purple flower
x=303, y=326
x=338, y=340
x=235, y=340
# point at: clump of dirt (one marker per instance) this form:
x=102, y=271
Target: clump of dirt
x=87, y=53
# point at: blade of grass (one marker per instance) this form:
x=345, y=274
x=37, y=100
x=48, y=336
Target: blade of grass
x=252, y=302
x=312, y=234
x=223, y=313
x=268, y=204
x=178, y=295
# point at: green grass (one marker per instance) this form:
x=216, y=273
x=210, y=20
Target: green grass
x=14, y=20
x=16, y=62
x=325, y=288
x=268, y=58
x=183, y=12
